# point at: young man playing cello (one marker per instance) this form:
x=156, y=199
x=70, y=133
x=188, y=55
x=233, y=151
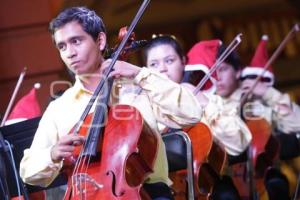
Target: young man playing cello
x=80, y=38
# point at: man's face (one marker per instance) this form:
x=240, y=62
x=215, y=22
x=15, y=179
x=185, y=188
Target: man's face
x=81, y=54
x=165, y=59
x=227, y=81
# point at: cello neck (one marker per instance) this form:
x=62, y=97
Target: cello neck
x=110, y=68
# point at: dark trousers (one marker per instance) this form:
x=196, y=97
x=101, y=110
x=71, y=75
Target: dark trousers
x=158, y=191
x=277, y=185
x=290, y=146
x=224, y=189
x=238, y=159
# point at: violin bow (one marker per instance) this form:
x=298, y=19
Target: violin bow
x=279, y=49
x=232, y=46
x=13, y=97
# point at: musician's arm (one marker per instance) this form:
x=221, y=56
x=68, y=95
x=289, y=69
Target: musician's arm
x=173, y=105
x=286, y=114
x=226, y=126
x=37, y=167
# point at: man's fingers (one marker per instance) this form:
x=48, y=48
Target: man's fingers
x=66, y=148
x=65, y=154
x=115, y=74
x=62, y=151
x=71, y=139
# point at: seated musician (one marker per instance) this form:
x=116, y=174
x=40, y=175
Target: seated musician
x=80, y=37
x=165, y=55
x=279, y=110
x=277, y=107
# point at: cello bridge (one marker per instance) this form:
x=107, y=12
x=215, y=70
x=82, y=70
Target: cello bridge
x=83, y=183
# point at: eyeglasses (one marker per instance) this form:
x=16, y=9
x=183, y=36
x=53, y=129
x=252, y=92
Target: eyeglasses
x=252, y=77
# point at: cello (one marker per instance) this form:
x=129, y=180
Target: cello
x=210, y=171
x=264, y=147
x=115, y=158
x=209, y=157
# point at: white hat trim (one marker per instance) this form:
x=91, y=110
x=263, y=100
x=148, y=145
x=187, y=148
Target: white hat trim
x=257, y=71
x=196, y=67
x=13, y=121
x=205, y=69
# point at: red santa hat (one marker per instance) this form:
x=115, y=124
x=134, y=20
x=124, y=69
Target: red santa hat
x=258, y=62
x=26, y=108
x=202, y=56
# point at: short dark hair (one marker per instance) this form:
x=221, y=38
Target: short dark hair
x=161, y=40
x=233, y=59
x=88, y=19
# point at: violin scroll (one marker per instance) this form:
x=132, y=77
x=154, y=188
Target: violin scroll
x=131, y=46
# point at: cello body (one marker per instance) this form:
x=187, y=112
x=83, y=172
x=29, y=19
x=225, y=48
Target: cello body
x=208, y=162
x=126, y=155
x=264, y=151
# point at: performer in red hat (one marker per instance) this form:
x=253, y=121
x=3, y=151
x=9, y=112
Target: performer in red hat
x=274, y=106
x=165, y=55
x=200, y=59
x=258, y=62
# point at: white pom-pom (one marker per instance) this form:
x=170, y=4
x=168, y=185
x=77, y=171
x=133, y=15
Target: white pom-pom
x=265, y=37
x=37, y=85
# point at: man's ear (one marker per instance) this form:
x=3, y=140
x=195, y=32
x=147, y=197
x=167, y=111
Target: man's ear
x=238, y=74
x=101, y=40
x=184, y=60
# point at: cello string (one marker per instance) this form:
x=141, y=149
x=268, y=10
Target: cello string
x=84, y=159
x=100, y=86
x=98, y=123
x=110, y=67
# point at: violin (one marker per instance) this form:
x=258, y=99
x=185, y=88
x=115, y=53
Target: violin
x=249, y=177
x=132, y=45
x=119, y=150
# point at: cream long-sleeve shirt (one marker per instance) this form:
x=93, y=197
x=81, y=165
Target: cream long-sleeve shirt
x=226, y=126
x=276, y=107
x=159, y=100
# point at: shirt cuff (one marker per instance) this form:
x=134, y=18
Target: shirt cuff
x=49, y=162
x=272, y=96
x=144, y=73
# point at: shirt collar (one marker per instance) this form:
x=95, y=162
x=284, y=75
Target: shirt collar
x=79, y=88
x=236, y=95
